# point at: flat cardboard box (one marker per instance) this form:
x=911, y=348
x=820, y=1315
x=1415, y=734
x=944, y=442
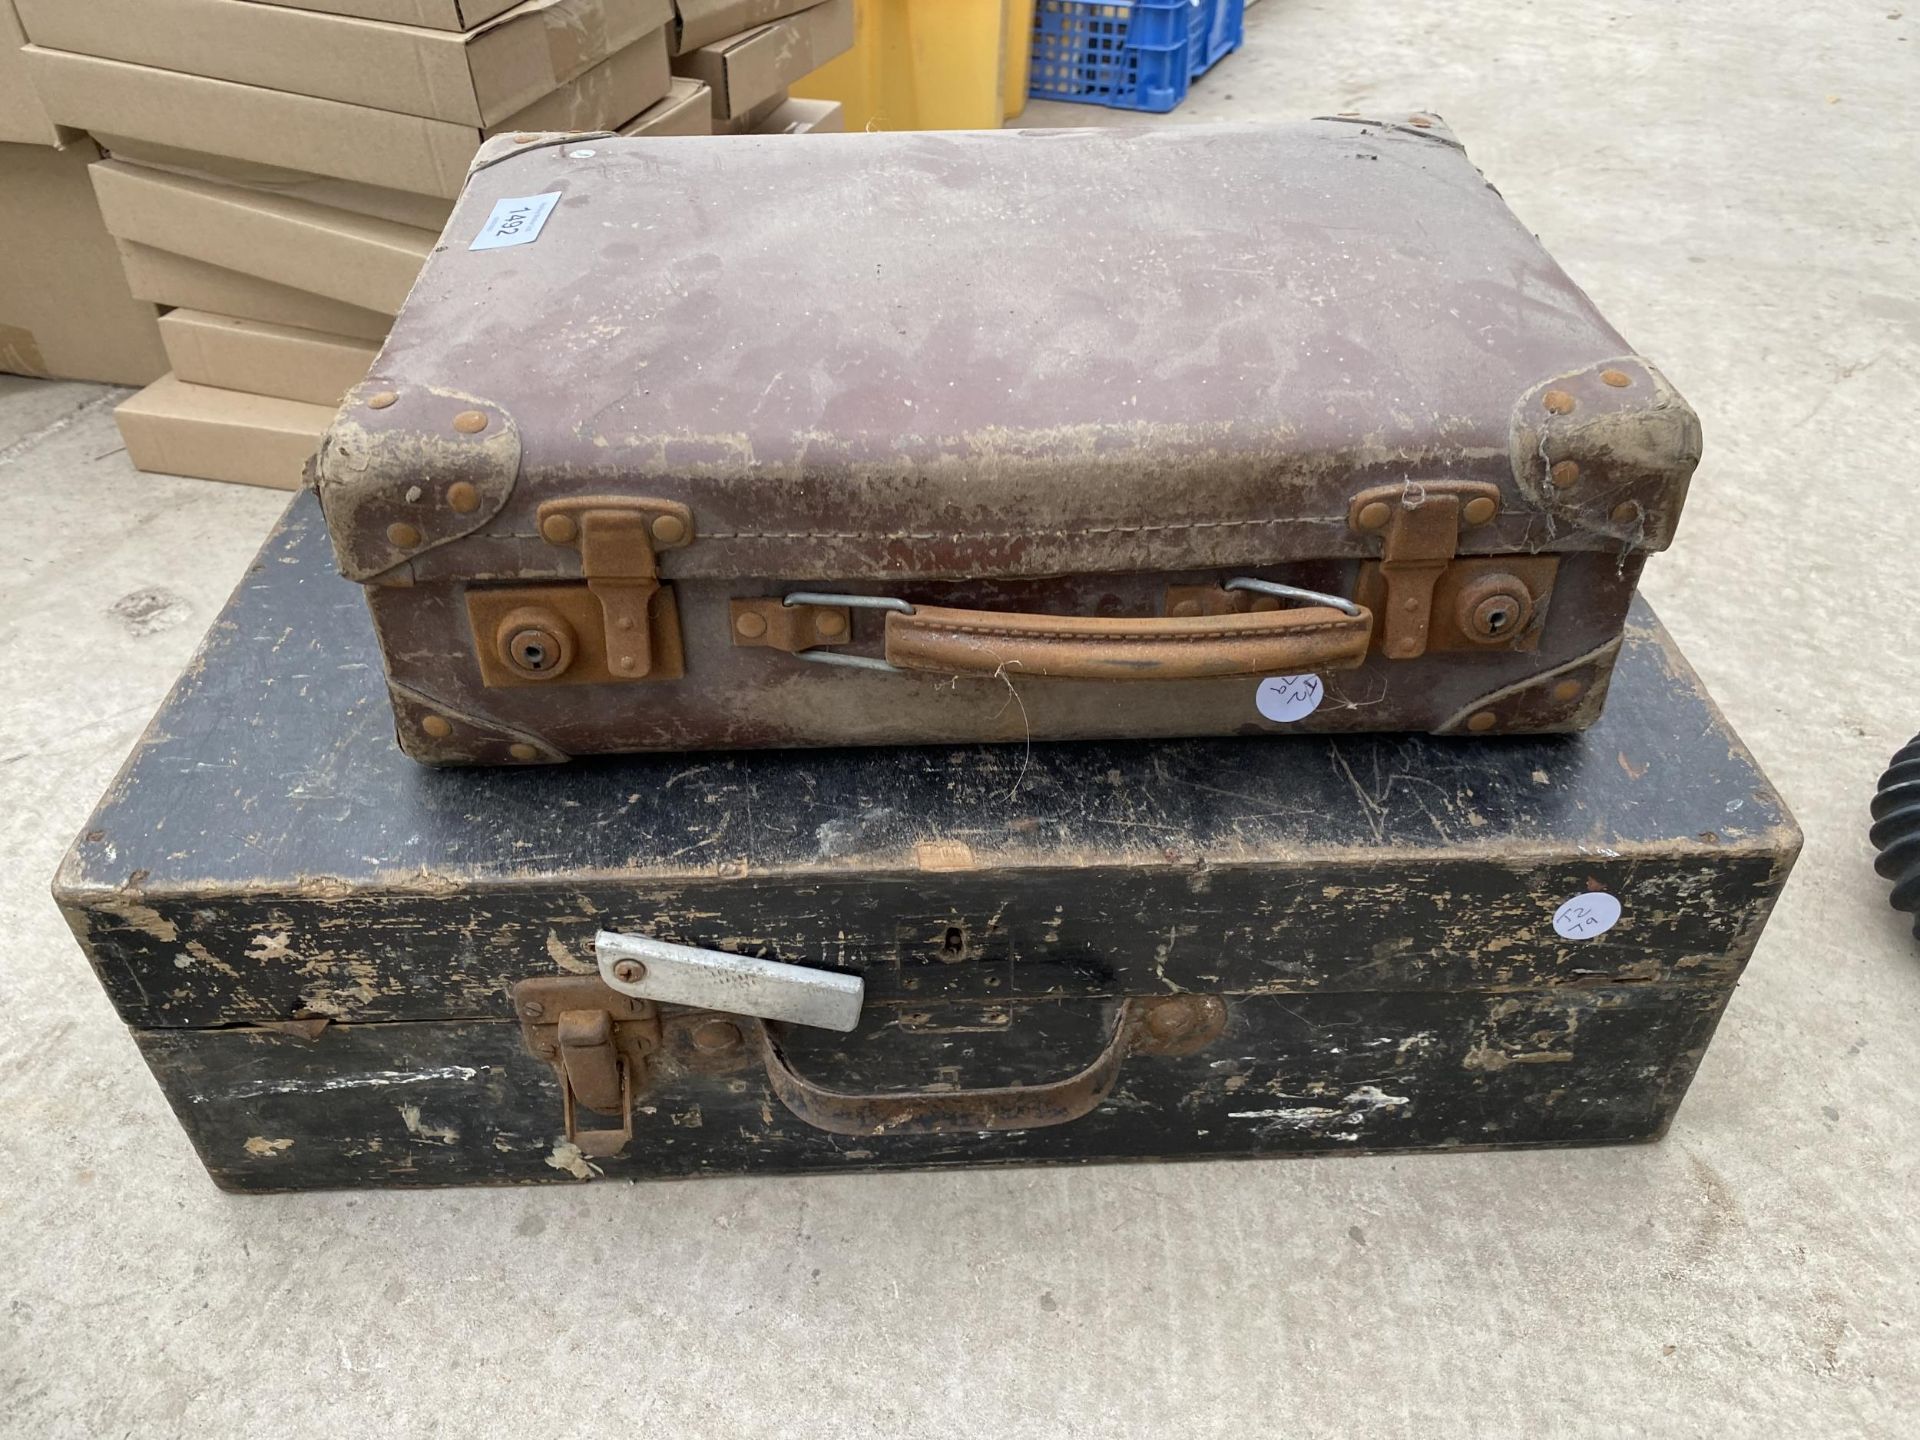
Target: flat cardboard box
x=23, y=119
x=422, y=212
x=747, y=69
x=172, y=428
x=65, y=307
x=326, y=137
x=478, y=77
x=701, y=22
x=751, y=120
x=351, y=258
x=163, y=279
x=804, y=117
x=428, y=14
x=276, y=360
x=687, y=110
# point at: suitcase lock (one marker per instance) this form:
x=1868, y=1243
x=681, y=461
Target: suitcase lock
x=621, y=625
x=1427, y=598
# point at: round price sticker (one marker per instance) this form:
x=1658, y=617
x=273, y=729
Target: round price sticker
x=1289, y=697
x=1585, y=916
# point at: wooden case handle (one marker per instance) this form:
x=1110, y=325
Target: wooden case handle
x=1164, y=1025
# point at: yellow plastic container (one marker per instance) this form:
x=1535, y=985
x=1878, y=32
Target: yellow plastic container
x=930, y=65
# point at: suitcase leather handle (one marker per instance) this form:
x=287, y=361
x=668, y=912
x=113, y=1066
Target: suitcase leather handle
x=1176, y=647
x=1171, y=1025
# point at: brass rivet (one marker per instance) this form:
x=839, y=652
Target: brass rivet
x=525, y=139
x=1568, y=690
x=1625, y=511
x=1480, y=509
x=402, y=534
x=1411, y=604
x=830, y=623
x=1565, y=473
x=463, y=497
x=437, y=726
x=1184, y=607
x=669, y=529
x=1407, y=648
x=751, y=625
x=523, y=751
x=624, y=663
x=1483, y=721
x=559, y=529
x=1618, y=379
x=1558, y=402
x=382, y=400
x=625, y=622
x=1374, y=514
x=470, y=422
x=1421, y=121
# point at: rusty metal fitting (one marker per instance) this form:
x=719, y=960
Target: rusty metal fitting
x=1494, y=609
x=536, y=642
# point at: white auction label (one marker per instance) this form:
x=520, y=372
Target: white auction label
x=515, y=221
x=1289, y=697
x=1585, y=916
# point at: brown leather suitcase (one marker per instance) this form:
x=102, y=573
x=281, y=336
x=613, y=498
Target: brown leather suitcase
x=974, y=437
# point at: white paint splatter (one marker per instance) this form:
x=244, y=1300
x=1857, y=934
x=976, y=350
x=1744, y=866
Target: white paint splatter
x=1360, y=1101
x=371, y=1080
x=569, y=1157
x=420, y=1129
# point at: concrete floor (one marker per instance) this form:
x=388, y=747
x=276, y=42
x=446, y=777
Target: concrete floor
x=1733, y=181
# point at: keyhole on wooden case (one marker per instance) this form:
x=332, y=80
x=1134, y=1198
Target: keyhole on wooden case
x=954, y=946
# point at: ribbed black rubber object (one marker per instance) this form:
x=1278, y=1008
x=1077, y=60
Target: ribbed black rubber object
x=1896, y=829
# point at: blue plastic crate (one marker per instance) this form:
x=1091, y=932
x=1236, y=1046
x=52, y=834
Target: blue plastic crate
x=1225, y=28
x=1129, y=54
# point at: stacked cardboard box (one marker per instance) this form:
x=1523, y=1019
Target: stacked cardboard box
x=747, y=52
x=277, y=173
x=65, y=310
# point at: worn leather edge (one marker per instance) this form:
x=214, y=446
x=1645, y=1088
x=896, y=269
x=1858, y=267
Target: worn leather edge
x=384, y=473
x=1544, y=713
x=473, y=740
x=1636, y=447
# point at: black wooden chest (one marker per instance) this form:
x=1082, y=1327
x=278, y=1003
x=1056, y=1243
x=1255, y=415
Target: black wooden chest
x=346, y=969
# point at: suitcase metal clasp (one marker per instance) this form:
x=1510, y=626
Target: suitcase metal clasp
x=1426, y=598
x=621, y=625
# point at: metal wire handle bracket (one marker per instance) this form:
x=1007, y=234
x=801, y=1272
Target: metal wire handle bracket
x=1293, y=592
